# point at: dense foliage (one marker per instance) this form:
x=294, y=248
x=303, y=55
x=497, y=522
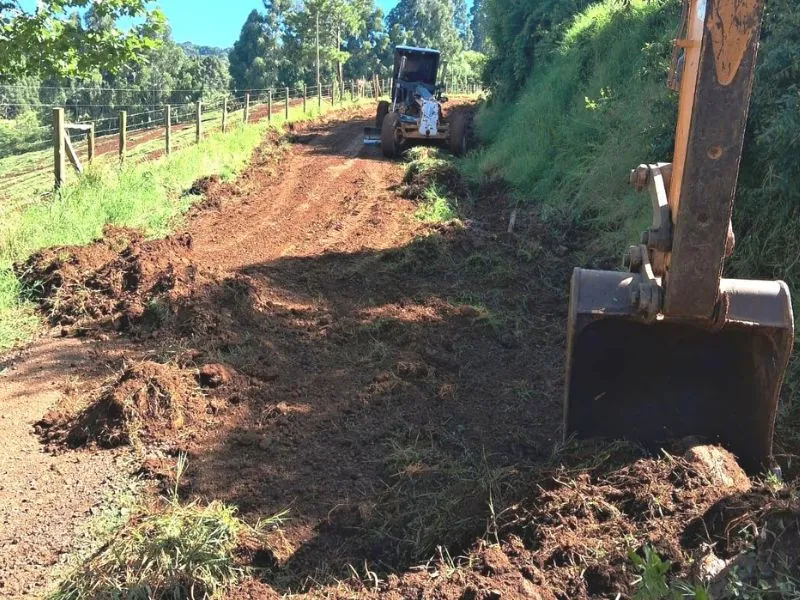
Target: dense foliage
x=586, y=83
x=278, y=46
x=53, y=41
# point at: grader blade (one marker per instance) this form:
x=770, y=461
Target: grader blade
x=671, y=349
x=372, y=136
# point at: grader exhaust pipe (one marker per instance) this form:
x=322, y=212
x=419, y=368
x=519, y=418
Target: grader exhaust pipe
x=671, y=349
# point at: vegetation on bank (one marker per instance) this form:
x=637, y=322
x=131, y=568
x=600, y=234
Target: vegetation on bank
x=594, y=104
x=580, y=98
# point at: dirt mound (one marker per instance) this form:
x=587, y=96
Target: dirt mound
x=120, y=281
x=429, y=171
x=203, y=185
x=147, y=402
x=580, y=529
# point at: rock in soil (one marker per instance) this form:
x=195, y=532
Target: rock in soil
x=213, y=375
x=719, y=466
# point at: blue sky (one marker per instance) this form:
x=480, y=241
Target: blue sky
x=215, y=23
x=209, y=22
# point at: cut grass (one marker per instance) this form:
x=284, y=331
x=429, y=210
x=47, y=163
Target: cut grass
x=438, y=494
x=170, y=550
x=437, y=206
x=148, y=195
x=429, y=178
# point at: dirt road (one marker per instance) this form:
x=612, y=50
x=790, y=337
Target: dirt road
x=395, y=385
x=387, y=374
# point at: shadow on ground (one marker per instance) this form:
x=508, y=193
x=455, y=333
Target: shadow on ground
x=396, y=396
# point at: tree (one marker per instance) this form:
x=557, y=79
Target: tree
x=52, y=42
x=338, y=20
x=481, y=42
x=461, y=21
x=254, y=61
x=428, y=23
x=369, y=48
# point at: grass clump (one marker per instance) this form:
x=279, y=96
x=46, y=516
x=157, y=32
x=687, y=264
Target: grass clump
x=172, y=550
x=433, y=180
x=439, y=494
x=436, y=206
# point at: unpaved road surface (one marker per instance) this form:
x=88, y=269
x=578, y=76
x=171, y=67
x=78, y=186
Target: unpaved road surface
x=314, y=347
x=365, y=344
x=44, y=497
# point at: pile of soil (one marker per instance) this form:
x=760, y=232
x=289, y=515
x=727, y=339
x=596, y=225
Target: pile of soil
x=148, y=402
x=420, y=175
x=120, y=281
x=573, y=537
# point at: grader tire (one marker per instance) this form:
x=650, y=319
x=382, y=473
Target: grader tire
x=383, y=110
x=458, y=134
x=389, y=145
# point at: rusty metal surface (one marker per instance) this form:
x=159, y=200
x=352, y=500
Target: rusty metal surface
x=713, y=150
x=662, y=381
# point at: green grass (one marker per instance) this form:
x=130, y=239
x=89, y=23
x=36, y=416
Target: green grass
x=171, y=550
x=429, y=177
x=148, y=195
x=437, y=206
x=597, y=109
x=652, y=581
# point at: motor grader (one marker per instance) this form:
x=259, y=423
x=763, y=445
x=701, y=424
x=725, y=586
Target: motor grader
x=670, y=349
x=415, y=114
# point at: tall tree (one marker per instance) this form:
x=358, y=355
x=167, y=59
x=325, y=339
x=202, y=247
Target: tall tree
x=51, y=42
x=428, y=23
x=369, y=48
x=481, y=42
x=254, y=59
x=461, y=21
x=338, y=20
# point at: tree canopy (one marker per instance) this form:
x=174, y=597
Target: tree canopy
x=53, y=41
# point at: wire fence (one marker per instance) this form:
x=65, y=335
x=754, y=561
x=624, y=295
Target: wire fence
x=136, y=132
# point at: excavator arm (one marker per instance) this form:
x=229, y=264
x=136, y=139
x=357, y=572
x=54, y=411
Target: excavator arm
x=671, y=348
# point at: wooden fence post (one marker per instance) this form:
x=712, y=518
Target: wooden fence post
x=168, y=130
x=246, y=106
x=352, y=90
x=333, y=92
x=123, y=134
x=319, y=98
x=305, y=95
x=58, y=146
x=269, y=106
x=90, y=144
x=286, y=106
x=198, y=131
x=224, y=115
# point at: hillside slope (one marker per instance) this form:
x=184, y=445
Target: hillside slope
x=597, y=106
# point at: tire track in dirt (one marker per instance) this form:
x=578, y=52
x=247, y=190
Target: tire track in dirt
x=331, y=194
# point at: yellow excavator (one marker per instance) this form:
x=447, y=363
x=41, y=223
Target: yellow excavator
x=671, y=349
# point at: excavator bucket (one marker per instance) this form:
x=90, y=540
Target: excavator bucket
x=659, y=382
x=671, y=349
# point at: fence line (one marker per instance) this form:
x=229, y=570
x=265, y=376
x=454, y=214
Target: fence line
x=170, y=123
